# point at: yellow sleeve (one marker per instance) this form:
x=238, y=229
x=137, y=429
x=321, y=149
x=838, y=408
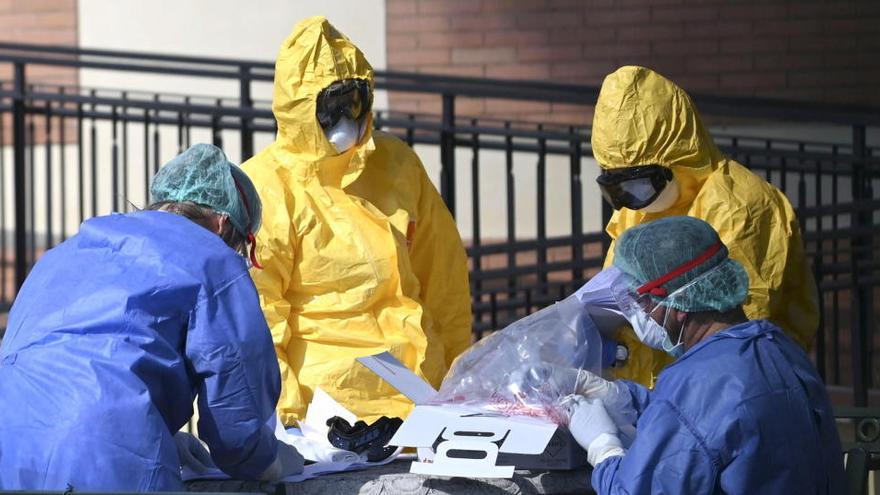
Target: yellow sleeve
x=618, y=223
x=276, y=251
x=759, y=227
x=609, y=256
x=440, y=263
x=796, y=304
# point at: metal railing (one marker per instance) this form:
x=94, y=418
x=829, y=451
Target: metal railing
x=78, y=152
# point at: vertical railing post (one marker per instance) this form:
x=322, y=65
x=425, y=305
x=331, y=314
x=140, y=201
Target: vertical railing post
x=476, y=237
x=859, y=295
x=114, y=158
x=5, y=297
x=245, y=103
x=577, y=223
x=607, y=212
x=822, y=334
x=47, y=138
x=18, y=154
x=835, y=274
x=447, y=153
x=510, y=191
x=541, y=213
x=216, y=130
x=870, y=322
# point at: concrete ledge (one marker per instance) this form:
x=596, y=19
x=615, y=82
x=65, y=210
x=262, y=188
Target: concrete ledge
x=396, y=478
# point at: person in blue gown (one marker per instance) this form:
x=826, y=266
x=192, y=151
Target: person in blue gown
x=117, y=330
x=741, y=410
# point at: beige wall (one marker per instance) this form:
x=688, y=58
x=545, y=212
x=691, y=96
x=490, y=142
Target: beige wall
x=212, y=28
x=43, y=22
x=215, y=28
x=223, y=28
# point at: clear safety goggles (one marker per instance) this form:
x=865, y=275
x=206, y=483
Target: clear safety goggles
x=631, y=295
x=633, y=187
x=629, y=301
x=350, y=98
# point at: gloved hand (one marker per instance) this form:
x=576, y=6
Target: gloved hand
x=288, y=462
x=192, y=453
x=615, y=397
x=554, y=383
x=593, y=429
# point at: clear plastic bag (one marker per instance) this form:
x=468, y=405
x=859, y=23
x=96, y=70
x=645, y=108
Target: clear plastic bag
x=529, y=367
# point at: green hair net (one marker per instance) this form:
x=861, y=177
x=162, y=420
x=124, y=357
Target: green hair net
x=203, y=175
x=648, y=252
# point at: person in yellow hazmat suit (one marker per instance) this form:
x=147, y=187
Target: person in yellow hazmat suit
x=658, y=161
x=359, y=253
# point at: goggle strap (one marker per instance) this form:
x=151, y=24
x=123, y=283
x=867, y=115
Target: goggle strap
x=253, y=241
x=243, y=196
x=654, y=286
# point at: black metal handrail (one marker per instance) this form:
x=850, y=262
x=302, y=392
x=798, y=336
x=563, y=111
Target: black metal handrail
x=748, y=107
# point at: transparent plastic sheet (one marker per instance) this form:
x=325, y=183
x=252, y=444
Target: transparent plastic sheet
x=529, y=367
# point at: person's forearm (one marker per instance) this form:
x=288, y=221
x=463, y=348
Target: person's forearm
x=641, y=395
x=604, y=479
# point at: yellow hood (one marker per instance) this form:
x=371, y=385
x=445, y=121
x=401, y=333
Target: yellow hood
x=314, y=56
x=642, y=118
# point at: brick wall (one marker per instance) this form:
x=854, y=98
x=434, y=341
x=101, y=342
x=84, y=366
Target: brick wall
x=50, y=22
x=817, y=50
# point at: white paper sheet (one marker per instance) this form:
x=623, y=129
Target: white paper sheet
x=316, y=448
x=399, y=376
x=322, y=408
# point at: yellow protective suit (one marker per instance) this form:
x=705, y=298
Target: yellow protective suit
x=360, y=254
x=641, y=118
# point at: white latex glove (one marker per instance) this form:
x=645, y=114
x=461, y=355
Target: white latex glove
x=288, y=462
x=192, y=453
x=615, y=397
x=594, y=430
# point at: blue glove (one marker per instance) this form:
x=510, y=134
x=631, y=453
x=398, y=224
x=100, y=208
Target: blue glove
x=192, y=453
x=609, y=351
x=593, y=429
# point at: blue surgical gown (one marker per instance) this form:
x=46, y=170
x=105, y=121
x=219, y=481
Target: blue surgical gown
x=110, y=339
x=742, y=412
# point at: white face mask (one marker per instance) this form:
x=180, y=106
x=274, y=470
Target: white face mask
x=668, y=196
x=654, y=335
x=651, y=333
x=345, y=134
x=678, y=349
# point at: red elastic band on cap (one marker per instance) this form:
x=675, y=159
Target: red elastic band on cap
x=254, y=262
x=250, y=235
x=653, y=287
